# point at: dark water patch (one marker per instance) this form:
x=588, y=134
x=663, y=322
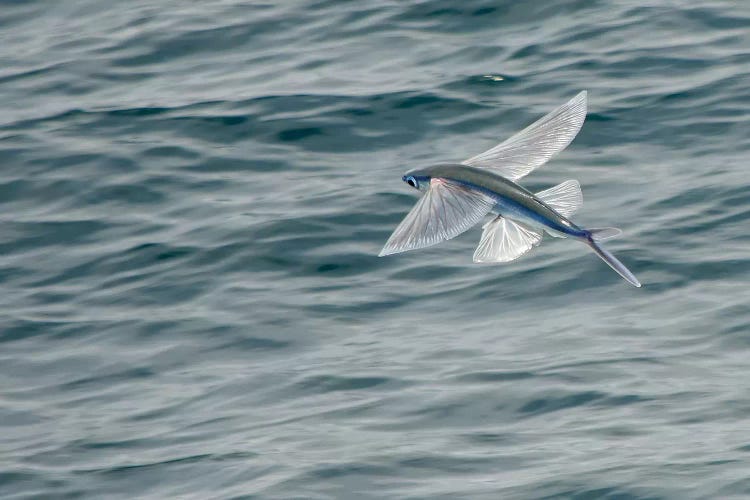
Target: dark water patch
x=108, y=379
x=418, y=101
x=341, y=265
x=171, y=152
x=481, y=15
x=155, y=415
x=164, y=292
x=496, y=376
x=254, y=344
x=714, y=18
x=456, y=412
x=351, y=469
x=21, y=482
x=627, y=399
x=609, y=493
x=328, y=383
x=138, y=112
x=29, y=74
x=236, y=164
x=452, y=464
x=71, y=160
x=737, y=335
x=112, y=266
x=124, y=194
x=149, y=253
x=128, y=469
x=550, y=404
x=427, y=271
x=297, y=134
x=10, y=418
x=23, y=329
x=33, y=235
x=491, y=438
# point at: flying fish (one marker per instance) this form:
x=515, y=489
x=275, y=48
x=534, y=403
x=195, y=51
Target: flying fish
x=459, y=196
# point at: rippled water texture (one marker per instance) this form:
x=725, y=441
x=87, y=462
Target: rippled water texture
x=194, y=194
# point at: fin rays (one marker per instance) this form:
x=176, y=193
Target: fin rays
x=565, y=198
x=446, y=210
x=504, y=240
x=533, y=146
x=450, y=207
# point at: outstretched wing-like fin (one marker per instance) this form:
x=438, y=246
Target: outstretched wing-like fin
x=504, y=240
x=446, y=210
x=537, y=143
x=565, y=198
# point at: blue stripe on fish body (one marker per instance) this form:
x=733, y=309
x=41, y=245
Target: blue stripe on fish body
x=514, y=210
x=525, y=212
x=513, y=200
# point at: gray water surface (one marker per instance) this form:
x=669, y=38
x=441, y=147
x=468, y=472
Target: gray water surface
x=194, y=196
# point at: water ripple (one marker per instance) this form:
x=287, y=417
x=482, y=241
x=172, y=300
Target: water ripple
x=194, y=199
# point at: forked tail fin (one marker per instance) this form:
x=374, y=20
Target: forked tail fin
x=604, y=233
x=612, y=262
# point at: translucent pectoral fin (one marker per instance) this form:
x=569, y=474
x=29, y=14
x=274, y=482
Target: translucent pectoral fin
x=537, y=143
x=504, y=240
x=565, y=198
x=446, y=210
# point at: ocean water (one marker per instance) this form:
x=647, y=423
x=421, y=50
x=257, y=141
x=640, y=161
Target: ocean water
x=194, y=195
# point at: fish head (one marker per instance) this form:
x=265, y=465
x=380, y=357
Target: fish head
x=417, y=178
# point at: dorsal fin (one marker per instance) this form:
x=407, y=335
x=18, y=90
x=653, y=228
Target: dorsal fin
x=565, y=198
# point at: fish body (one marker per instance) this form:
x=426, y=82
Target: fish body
x=458, y=196
x=511, y=199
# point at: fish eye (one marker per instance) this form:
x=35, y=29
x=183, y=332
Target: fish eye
x=412, y=182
